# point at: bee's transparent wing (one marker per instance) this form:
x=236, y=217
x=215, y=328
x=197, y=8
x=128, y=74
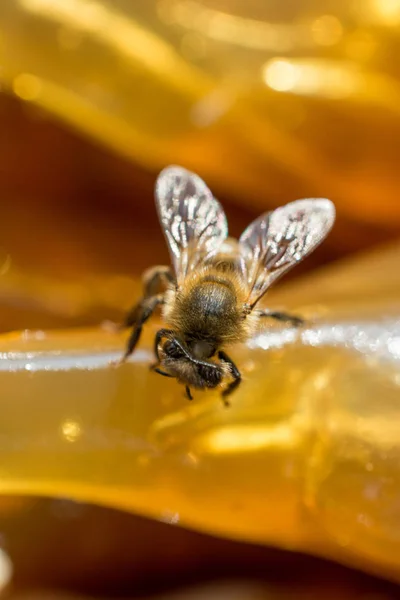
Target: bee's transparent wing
x=193, y=221
x=276, y=241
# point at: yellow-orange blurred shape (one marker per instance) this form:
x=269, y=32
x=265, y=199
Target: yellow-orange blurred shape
x=255, y=34
x=71, y=430
x=281, y=75
x=312, y=77
x=185, y=88
x=5, y=265
x=245, y=438
x=361, y=45
x=327, y=30
x=69, y=38
x=385, y=11
x=193, y=46
x=332, y=80
x=123, y=34
x=27, y=87
x=6, y=569
x=225, y=27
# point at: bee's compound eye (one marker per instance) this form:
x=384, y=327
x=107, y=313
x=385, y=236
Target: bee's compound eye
x=172, y=349
x=202, y=349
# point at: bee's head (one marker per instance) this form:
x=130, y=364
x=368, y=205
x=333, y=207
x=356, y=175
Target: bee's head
x=187, y=370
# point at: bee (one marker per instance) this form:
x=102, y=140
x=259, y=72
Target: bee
x=210, y=295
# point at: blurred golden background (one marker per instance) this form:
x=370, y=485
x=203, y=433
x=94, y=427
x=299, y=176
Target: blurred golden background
x=269, y=102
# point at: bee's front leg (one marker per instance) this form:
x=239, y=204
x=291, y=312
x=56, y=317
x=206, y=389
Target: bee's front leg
x=144, y=312
x=153, y=279
x=237, y=377
x=157, y=340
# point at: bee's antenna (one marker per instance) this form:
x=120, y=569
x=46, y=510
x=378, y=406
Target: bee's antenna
x=189, y=393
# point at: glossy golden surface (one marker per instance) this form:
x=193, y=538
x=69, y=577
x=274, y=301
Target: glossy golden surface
x=306, y=457
x=268, y=102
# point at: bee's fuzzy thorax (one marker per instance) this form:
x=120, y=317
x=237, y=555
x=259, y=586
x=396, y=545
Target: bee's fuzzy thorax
x=209, y=306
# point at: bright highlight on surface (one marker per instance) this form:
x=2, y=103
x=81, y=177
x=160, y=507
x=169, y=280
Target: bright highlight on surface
x=6, y=570
x=387, y=11
x=245, y=438
x=71, y=430
x=313, y=77
x=280, y=75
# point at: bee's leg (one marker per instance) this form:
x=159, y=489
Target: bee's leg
x=281, y=316
x=152, y=279
x=160, y=372
x=159, y=335
x=147, y=308
x=189, y=393
x=130, y=320
x=133, y=315
x=237, y=378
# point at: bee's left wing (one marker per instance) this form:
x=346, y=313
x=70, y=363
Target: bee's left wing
x=193, y=221
x=277, y=240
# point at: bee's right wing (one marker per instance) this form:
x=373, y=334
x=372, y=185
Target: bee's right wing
x=193, y=221
x=277, y=241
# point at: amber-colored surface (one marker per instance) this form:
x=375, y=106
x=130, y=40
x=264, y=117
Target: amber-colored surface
x=306, y=458
x=268, y=102
x=102, y=551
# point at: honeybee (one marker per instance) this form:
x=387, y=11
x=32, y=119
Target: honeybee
x=210, y=294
